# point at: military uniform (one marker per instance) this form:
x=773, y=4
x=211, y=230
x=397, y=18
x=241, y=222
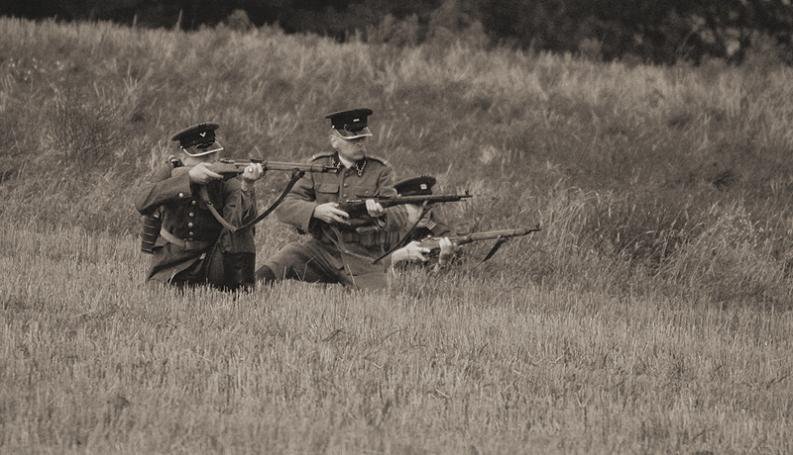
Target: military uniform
x=337, y=253
x=193, y=247
x=429, y=225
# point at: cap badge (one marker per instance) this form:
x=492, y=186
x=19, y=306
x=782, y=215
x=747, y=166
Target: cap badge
x=423, y=186
x=202, y=134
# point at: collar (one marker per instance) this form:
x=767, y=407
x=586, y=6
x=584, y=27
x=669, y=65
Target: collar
x=344, y=161
x=343, y=164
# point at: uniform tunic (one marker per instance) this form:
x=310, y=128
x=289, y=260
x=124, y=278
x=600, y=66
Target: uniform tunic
x=183, y=213
x=429, y=226
x=338, y=253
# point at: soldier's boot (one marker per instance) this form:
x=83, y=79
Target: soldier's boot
x=265, y=275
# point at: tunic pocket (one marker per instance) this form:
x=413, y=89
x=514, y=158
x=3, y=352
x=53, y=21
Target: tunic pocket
x=328, y=188
x=362, y=192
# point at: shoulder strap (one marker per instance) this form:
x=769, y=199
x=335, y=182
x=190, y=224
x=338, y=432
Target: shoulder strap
x=378, y=159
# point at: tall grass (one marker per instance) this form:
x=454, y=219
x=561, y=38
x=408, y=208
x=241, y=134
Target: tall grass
x=628, y=167
x=651, y=314
x=92, y=362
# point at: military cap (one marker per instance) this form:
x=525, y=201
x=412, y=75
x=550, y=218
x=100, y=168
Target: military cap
x=415, y=186
x=351, y=124
x=198, y=140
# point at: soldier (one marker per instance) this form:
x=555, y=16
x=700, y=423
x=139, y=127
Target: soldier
x=428, y=226
x=189, y=199
x=339, y=250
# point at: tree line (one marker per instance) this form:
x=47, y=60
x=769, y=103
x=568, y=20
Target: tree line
x=659, y=31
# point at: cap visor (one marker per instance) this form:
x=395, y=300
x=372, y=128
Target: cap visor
x=198, y=151
x=364, y=132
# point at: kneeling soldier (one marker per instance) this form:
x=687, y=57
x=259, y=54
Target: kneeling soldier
x=341, y=250
x=188, y=199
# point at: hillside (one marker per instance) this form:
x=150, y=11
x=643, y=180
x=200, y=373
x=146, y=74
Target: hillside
x=651, y=314
x=628, y=168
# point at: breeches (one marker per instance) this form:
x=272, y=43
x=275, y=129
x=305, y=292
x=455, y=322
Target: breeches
x=229, y=271
x=316, y=262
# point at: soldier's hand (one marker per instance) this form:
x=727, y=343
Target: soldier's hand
x=374, y=209
x=413, y=251
x=253, y=172
x=201, y=174
x=330, y=213
x=448, y=248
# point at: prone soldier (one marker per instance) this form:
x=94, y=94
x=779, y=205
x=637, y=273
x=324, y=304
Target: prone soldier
x=426, y=227
x=187, y=197
x=429, y=237
x=341, y=249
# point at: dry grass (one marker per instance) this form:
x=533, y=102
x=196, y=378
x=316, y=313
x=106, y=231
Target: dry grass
x=93, y=362
x=652, y=314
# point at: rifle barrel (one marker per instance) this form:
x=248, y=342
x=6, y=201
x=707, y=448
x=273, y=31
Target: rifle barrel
x=357, y=206
x=418, y=200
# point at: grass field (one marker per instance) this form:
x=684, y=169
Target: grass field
x=651, y=315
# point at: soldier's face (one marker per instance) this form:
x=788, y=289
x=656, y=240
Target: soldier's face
x=193, y=160
x=351, y=149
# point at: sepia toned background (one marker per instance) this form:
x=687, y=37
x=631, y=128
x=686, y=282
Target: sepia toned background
x=651, y=314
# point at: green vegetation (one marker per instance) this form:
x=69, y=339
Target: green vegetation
x=651, y=314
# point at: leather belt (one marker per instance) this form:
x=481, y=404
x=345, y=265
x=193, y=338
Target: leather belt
x=186, y=244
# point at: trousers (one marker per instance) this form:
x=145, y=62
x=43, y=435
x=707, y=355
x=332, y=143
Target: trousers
x=316, y=262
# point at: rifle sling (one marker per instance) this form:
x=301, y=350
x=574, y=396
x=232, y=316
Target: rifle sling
x=296, y=175
x=205, y=198
x=405, y=237
x=494, y=249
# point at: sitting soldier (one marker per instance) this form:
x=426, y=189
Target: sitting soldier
x=341, y=249
x=427, y=226
x=186, y=199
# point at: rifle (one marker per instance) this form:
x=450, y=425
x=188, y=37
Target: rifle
x=433, y=243
x=228, y=169
x=500, y=236
x=357, y=207
x=232, y=168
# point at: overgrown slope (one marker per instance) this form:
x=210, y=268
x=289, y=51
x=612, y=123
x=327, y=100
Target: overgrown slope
x=674, y=177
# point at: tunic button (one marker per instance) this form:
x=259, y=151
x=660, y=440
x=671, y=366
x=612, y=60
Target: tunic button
x=190, y=233
x=181, y=194
x=190, y=224
x=193, y=202
x=191, y=214
x=345, y=184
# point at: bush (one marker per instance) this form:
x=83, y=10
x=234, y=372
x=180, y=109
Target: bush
x=239, y=21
